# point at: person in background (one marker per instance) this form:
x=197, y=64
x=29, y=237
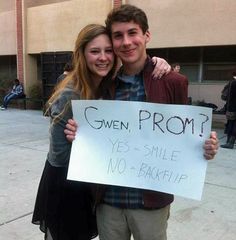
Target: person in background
x=175, y=67
x=16, y=92
x=67, y=69
x=121, y=211
x=230, y=111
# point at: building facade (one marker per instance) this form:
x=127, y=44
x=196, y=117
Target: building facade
x=37, y=37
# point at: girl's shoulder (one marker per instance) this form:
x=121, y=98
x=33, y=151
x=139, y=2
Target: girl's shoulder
x=63, y=99
x=69, y=93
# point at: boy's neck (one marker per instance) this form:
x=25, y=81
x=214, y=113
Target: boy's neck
x=134, y=68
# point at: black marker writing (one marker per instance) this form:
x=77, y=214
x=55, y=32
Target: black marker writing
x=116, y=165
x=158, y=122
x=102, y=123
x=152, y=172
x=161, y=153
x=119, y=146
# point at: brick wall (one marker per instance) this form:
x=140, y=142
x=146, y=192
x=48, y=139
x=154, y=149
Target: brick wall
x=19, y=40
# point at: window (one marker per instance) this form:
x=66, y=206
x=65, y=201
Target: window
x=201, y=64
x=190, y=70
x=218, y=72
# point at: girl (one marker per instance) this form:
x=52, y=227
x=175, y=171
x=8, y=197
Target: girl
x=63, y=208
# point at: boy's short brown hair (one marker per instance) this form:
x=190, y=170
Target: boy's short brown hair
x=127, y=13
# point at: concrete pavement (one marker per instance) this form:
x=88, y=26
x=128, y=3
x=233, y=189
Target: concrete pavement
x=23, y=149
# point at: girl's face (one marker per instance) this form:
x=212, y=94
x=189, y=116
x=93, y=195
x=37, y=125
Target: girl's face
x=99, y=57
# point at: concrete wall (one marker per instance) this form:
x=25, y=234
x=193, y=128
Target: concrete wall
x=190, y=23
x=7, y=44
x=34, y=3
x=55, y=27
x=7, y=5
x=172, y=24
x=210, y=93
x=8, y=33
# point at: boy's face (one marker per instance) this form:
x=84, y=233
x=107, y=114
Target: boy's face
x=129, y=42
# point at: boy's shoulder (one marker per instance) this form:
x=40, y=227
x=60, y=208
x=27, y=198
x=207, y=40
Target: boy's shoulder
x=174, y=80
x=174, y=76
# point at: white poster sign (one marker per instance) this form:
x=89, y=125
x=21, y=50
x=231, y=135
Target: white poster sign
x=141, y=145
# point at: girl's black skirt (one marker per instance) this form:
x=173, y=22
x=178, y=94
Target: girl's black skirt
x=63, y=208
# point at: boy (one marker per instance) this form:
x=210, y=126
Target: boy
x=124, y=211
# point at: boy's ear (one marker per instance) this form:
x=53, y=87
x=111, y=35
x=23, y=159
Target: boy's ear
x=148, y=36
